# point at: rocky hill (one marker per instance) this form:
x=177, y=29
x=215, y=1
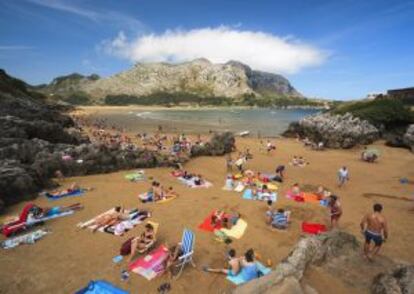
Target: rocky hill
x=199, y=77
x=36, y=135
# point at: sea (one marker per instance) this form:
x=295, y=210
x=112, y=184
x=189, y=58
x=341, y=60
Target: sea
x=261, y=122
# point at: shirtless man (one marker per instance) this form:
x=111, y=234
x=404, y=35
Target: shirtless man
x=234, y=265
x=107, y=219
x=374, y=227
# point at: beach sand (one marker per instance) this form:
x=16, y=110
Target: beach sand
x=67, y=259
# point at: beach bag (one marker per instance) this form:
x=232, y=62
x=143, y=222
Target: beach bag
x=126, y=247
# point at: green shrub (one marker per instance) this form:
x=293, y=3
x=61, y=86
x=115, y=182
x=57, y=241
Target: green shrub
x=388, y=112
x=78, y=98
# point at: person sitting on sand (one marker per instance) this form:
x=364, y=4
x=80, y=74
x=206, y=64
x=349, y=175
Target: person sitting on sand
x=233, y=268
x=374, y=227
x=229, y=184
x=229, y=220
x=142, y=242
x=270, y=146
x=217, y=218
x=296, y=190
x=335, y=210
x=249, y=270
x=278, y=220
x=108, y=219
x=240, y=162
x=174, y=254
x=320, y=192
x=170, y=193
x=198, y=180
x=280, y=173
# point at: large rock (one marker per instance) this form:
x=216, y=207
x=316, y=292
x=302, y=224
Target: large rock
x=310, y=250
x=335, y=131
x=408, y=138
x=396, y=281
x=220, y=144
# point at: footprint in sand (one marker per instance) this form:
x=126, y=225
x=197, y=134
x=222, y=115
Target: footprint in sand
x=373, y=195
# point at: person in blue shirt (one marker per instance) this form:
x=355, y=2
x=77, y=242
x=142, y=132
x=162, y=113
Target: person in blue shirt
x=279, y=220
x=249, y=269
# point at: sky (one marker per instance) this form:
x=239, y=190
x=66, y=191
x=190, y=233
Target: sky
x=327, y=49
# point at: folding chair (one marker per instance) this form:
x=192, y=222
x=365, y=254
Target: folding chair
x=187, y=247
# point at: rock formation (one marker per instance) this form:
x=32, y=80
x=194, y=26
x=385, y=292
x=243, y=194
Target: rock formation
x=408, y=138
x=335, y=131
x=200, y=77
x=37, y=139
x=338, y=254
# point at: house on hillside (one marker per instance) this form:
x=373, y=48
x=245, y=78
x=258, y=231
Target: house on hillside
x=406, y=95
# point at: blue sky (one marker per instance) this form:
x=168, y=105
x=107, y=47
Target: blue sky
x=334, y=49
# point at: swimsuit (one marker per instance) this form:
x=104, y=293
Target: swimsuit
x=371, y=236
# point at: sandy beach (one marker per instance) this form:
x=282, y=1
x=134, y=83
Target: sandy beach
x=68, y=259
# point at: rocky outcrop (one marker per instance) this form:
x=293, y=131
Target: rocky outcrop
x=199, y=77
x=399, y=280
x=310, y=250
x=408, y=138
x=335, y=131
x=220, y=144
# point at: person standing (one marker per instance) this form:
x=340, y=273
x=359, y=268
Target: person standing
x=335, y=210
x=343, y=176
x=375, y=229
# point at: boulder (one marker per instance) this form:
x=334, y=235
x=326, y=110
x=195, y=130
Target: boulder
x=220, y=144
x=335, y=131
x=399, y=280
x=408, y=138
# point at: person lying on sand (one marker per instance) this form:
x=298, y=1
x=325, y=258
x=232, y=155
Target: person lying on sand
x=230, y=219
x=198, y=180
x=37, y=212
x=73, y=187
x=233, y=268
x=278, y=220
x=374, y=227
x=142, y=242
x=335, y=210
x=108, y=219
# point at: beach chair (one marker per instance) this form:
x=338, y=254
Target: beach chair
x=187, y=247
x=151, y=245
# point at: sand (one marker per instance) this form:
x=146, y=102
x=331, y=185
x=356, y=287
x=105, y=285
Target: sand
x=68, y=259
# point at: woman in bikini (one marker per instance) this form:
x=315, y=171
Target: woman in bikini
x=143, y=241
x=335, y=210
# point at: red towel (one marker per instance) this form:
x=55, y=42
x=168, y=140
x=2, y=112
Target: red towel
x=313, y=228
x=298, y=199
x=207, y=226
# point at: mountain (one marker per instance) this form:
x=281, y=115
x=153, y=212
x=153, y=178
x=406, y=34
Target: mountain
x=198, y=78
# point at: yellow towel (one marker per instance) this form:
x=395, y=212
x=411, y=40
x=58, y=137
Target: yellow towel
x=237, y=231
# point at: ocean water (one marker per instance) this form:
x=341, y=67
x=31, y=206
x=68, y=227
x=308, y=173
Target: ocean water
x=258, y=121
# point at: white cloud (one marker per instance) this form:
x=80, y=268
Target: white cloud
x=261, y=51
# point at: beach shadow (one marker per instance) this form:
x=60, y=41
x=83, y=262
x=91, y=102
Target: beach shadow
x=374, y=195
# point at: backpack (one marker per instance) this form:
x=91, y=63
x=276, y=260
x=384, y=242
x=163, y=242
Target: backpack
x=126, y=247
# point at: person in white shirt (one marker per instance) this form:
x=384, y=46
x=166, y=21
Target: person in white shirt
x=343, y=176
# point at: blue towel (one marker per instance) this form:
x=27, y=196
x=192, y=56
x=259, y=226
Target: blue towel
x=239, y=279
x=248, y=194
x=101, y=287
x=77, y=192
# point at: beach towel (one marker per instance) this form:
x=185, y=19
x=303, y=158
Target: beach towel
x=135, y=176
x=76, y=192
x=239, y=187
x=101, y=287
x=238, y=280
x=248, y=194
x=151, y=265
x=313, y=228
x=191, y=183
x=135, y=217
x=237, y=231
x=289, y=194
x=29, y=238
x=206, y=224
x=311, y=198
x=147, y=197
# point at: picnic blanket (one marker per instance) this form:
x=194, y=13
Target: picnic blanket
x=151, y=265
x=76, y=192
x=238, y=279
x=135, y=217
x=313, y=228
x=29, y=238
x=237, y=231
x=190, y=183
x=248, y=194
x=310, y=198
x=147, y=197
x=239, y=187
x=206, y=224
x=135, y=176
x=101, y=287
